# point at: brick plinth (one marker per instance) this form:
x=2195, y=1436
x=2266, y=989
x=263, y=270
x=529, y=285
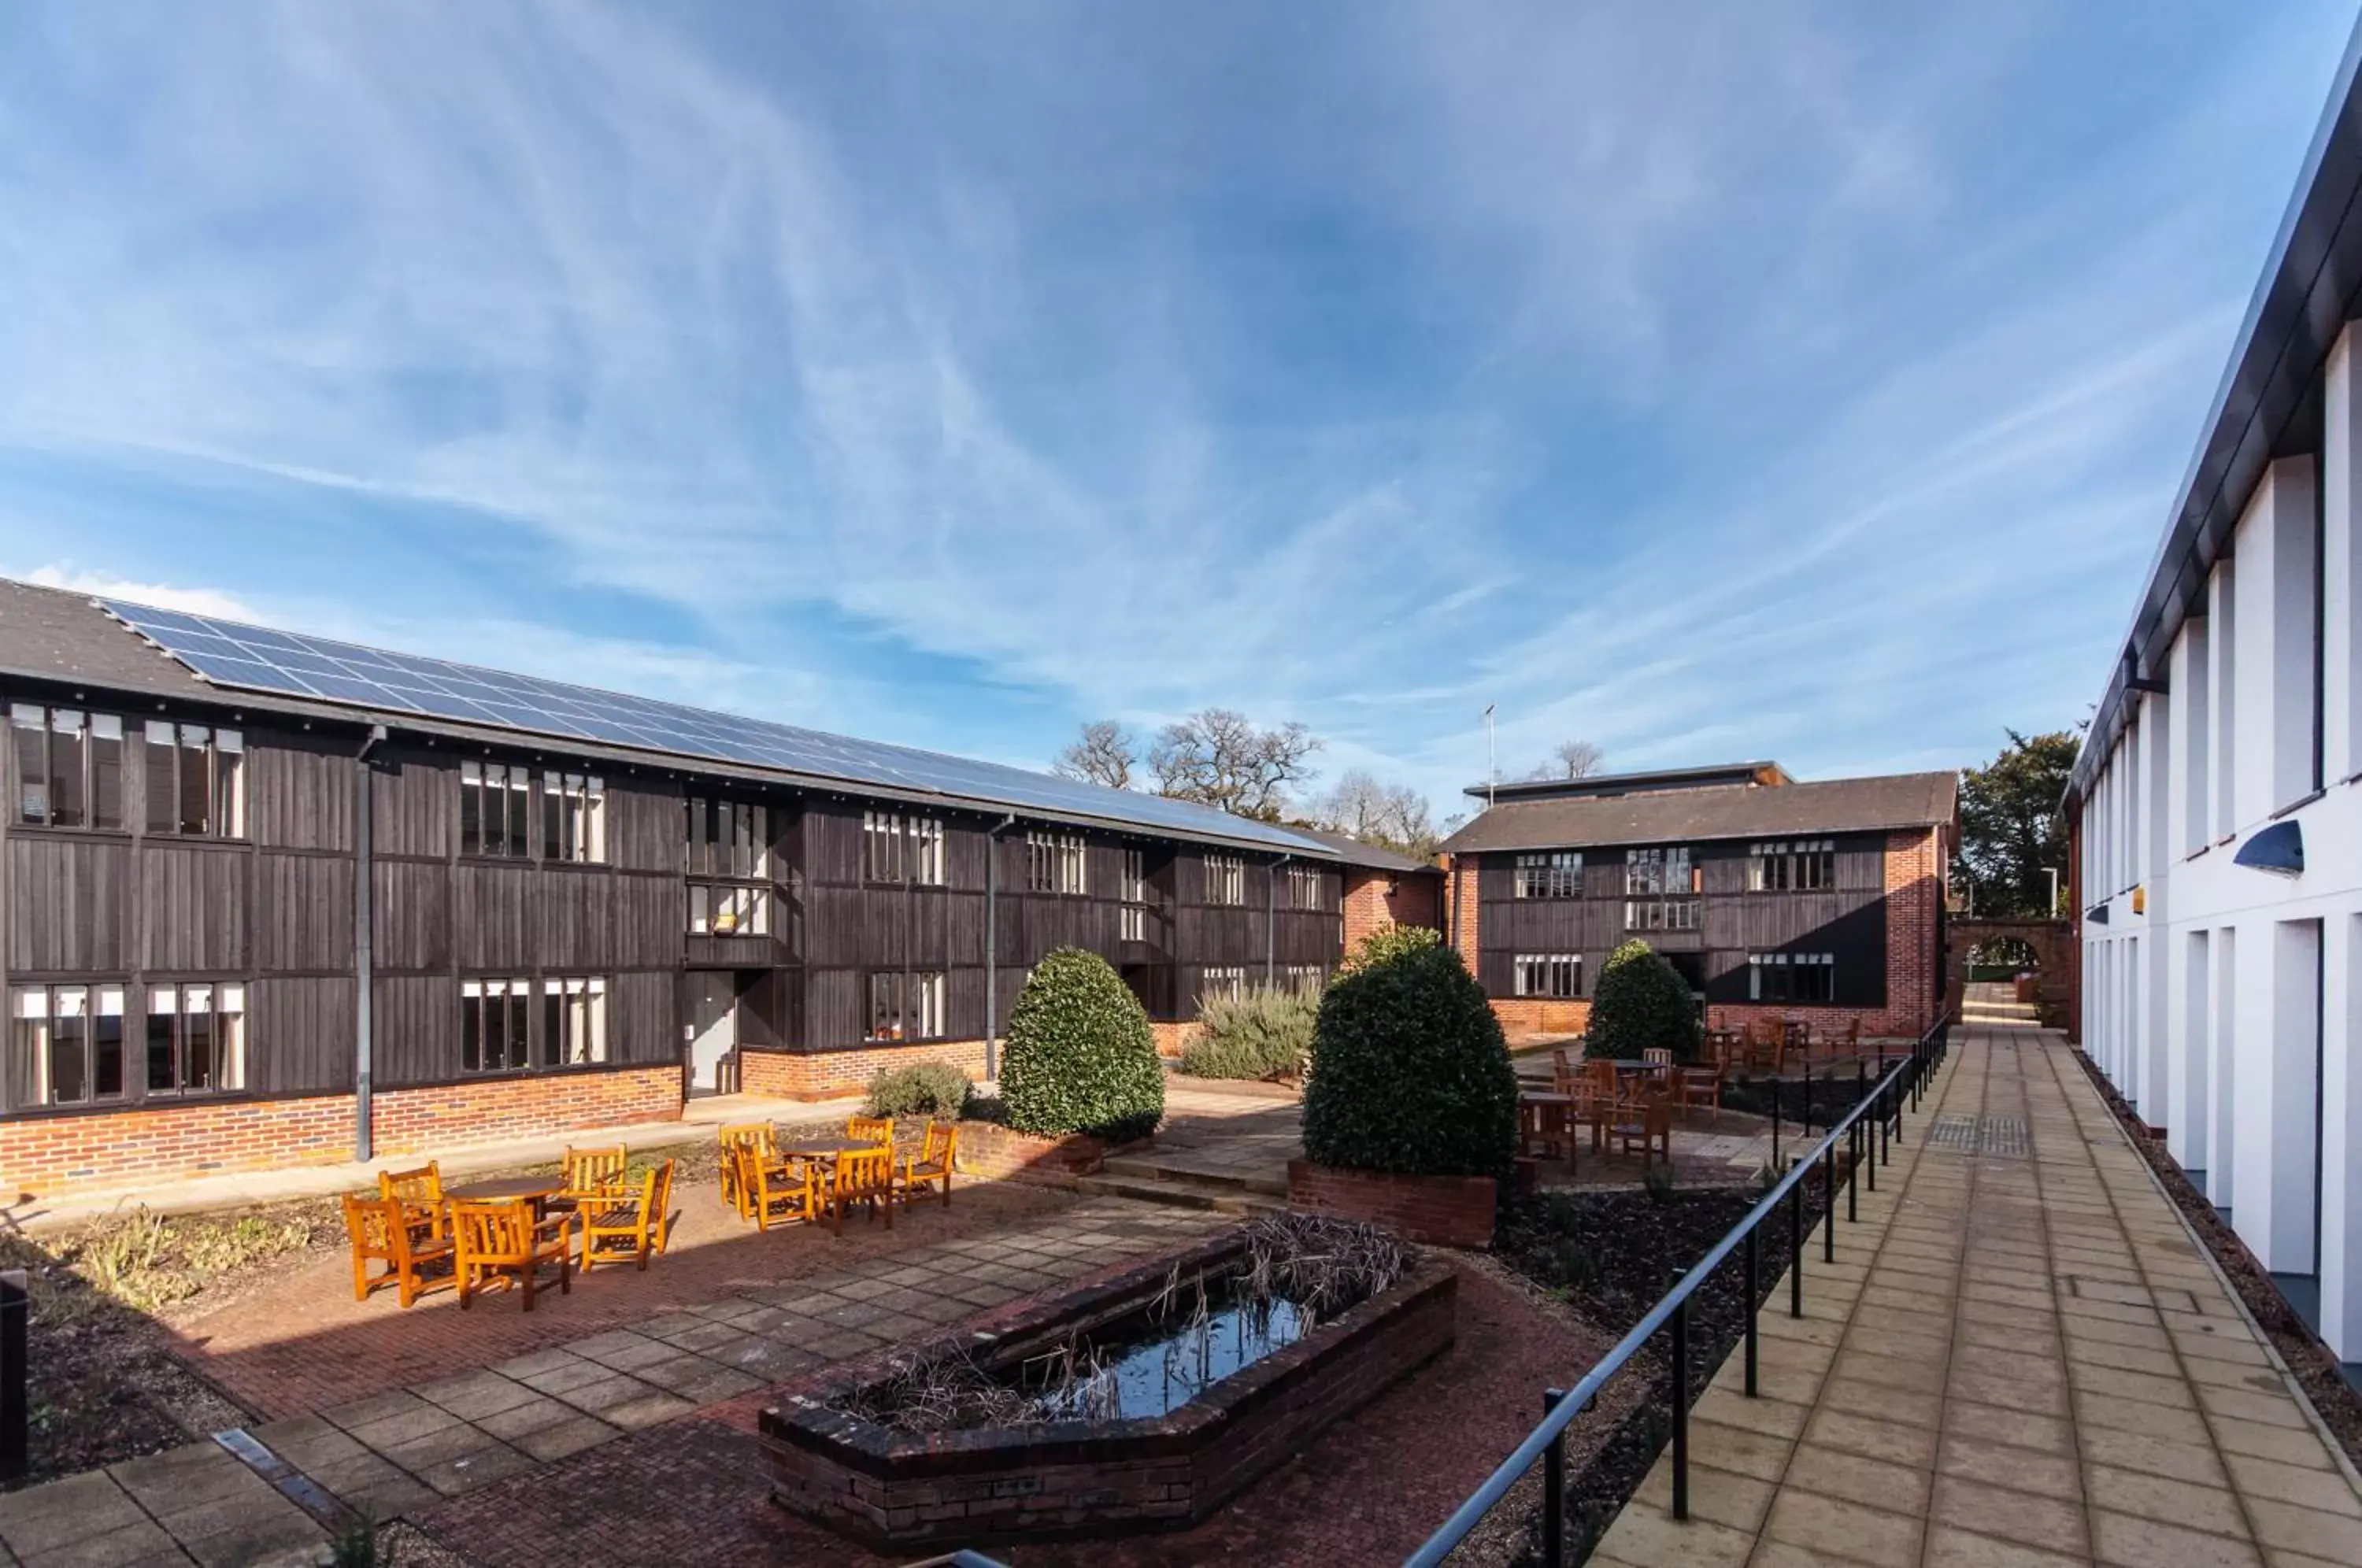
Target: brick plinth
x=827, y=1074
x=1525, y=1016
x=1171, y=1039
x=1444, y=1211
x=452, y=1115
x=987, y=1149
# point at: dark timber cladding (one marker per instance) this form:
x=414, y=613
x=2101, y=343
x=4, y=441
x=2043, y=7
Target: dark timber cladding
x=179, y=891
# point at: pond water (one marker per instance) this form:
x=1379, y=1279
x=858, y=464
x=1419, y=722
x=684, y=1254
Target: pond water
x=1151, y=1367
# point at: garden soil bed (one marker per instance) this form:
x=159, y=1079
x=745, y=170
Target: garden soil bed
x=2313, y=1362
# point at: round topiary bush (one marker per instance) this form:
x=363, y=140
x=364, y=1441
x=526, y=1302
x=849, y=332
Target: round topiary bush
x=1640, y=1002
x=1410, y=1072
x=1388, y=942
x=1080, y=1057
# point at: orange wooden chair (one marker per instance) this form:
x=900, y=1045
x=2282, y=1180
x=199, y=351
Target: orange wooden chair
x=870, y=1129
x=501, y=1246
x=932, y=1163
x=758, y=1136
x=771, y=1191
x=863, y=1176
x=1650, y=1127
x=632, y=1229
x=1700, y=1086
x=382, y=1231
x=420, y=1193
x=593, y=1176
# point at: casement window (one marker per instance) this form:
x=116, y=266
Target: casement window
x=1661, y=872
x=68, y=1043
x=1546, y=975
x=906, y=1007
x=1305, y=979
x=1791, y=977
x=573, y=818
x=1221, y=984
x=1131, y=887
x=727, y=838
x=1550, y=874
x=716, y=910
x=899, y=848
x=1301, y=890
x=69, y=767
x=496, y=809
x=573, y=1020
x=1661, y=915
x=1802, y=866
x=1226, y=879
x=495, y=1025
x=195, y=1037
x=1055, y=863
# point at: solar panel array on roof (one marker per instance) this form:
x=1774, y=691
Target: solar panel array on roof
x=256, y=659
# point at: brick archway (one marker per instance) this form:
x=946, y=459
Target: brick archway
x=2052, y=941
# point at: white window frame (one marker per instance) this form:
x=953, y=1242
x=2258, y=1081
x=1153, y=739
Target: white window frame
x=224, y=752
x=34, y=1014
x=1055, y=863
x=901, y=849
x=1787, y=969
x=1305, y=979
x=1223, y=982
x=1303, y=887
x=579, y=802
x=729, y=909
x=1226, y=880
x=516, y=997
x=1542, y=974
x=509, y=784
x=579, y=1039
x=1548, y=873
x=913, y=1002
x=1800, y=866
x=223, y=1004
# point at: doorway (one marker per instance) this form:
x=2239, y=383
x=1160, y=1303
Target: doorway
x=712, y=1031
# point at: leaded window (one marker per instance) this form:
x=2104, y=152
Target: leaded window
x=1550, y=874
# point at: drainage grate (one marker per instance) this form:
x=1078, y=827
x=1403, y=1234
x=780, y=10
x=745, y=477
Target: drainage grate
x=1959, y=1134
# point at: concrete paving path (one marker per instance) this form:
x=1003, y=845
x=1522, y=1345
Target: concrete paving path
x=2021, y=1357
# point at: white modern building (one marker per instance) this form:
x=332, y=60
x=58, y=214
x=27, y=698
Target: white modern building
x=2217, y=802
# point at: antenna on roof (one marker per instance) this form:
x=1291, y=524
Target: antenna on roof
x=1492, y=773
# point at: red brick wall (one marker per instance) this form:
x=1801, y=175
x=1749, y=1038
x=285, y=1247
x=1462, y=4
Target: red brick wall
x=1172, y=1038
x=1462, y=898
x=1444, y=1211
x=1522, y=1016
x=1416, y=898
x=48, y=1156
x=826, y=1075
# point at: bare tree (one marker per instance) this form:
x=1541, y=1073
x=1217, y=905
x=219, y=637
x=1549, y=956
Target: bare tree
x=1104, y=753
x=1568, y=759
x=1218, y=757
x=1393, y=816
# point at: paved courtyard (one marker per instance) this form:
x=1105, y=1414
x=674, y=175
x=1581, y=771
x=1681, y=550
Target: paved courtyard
x=2021, y=1357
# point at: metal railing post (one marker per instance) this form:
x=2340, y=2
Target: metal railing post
x=1796, y=1251
x=1853, y=1172
x=1775, y=1124
x=1752, y=1299
x=1553, y=1489
x=1829, y=1201
x=1682, y=1409
x=1869, y=1153
x=1884, y=1154
x=16, y=1309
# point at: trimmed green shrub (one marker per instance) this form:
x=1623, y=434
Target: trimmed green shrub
x=923, y=1089
x=1641, y=1003
x=1387, y=943
x=1410, y=1073
x=1264, y=1031
x=1080, y=1057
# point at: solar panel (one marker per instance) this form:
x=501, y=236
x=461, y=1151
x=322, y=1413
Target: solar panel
x=229, y=654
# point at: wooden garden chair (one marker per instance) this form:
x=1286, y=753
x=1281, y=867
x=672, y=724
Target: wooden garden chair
x=772, y=1191
x=594, y=1177
x=1562, y=1071
x=870, y=1129
x=632, y=1228
x=501, y=1245
x=1700, y=1086
x=757, y=1136
x=1650, y=1127
x=420, y=1193
x=382, y=1231
x=933, y=1164
x=863, y=1176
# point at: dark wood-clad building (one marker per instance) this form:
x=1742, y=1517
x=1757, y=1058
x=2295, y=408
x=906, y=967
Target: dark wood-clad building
x=1822, y=900
x=247, y=927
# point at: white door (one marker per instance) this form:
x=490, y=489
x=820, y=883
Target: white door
x=712, y=1030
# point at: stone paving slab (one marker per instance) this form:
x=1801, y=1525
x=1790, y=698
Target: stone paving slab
x=2020, y=1357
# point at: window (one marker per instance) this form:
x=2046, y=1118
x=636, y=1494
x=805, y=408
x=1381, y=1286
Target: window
x=1802, y=867
x=1226, y=879
x=197, y=1037
x=69, y=1043
x=495, y=810
x=1661, y=914
x=1131, y=887
x=1305, y=979
x=906, y=1007
x=1659, y=871
x=1054, y=863
x=573, y=1021
x=69, y=767
x=1302, y=887
x=1221, y=985
x=715, y=910
x=1546, y=975
x=728, y=838
x=896, y=848
x=1553, y=874
x=573, y=818
x=495, y=1025
x=1791, y=977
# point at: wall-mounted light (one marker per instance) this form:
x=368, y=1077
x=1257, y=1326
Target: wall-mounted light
x=2279, y=849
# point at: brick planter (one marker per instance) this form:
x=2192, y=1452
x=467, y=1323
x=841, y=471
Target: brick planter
x=987, y=1149
x=1442, y=1212
x=893, y=1490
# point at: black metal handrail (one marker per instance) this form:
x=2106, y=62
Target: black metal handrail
x=1546, y=1443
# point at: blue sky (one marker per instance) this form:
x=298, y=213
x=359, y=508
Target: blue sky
x=1708, y=380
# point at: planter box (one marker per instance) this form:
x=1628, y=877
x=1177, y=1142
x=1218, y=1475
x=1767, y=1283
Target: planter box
x=1443, y=1212
x=989, y=1150
x=896, y=1490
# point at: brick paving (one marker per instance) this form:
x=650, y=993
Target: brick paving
x=2021, y=1357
